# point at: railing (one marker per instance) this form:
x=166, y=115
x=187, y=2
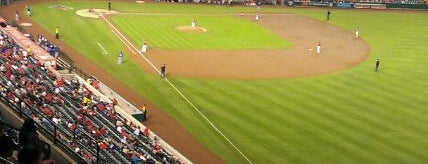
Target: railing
x=124, y=103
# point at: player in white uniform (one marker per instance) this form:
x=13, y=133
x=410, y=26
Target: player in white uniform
x=319, y=48
x=193, y=23
x=144, y=47
x=257, y=17
x=17, y=16
x=357, y=32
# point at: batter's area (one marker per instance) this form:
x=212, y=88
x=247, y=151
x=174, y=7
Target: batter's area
x=339, y=50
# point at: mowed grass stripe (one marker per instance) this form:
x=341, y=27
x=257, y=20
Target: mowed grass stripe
x=261, y=97
x=395, y=128
x=236, y=32
x=335, y=126
x=257, y=122
x=380, y=116
x=260, y=115
x=312, y=108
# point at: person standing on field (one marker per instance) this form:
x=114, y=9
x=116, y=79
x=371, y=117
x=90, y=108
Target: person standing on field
x=144, y=47
x=162, y=70
x=357, y=32
x=319, y=48
x=328, y=14
x=119, y=58
x=144, y=110
x=57, y=32
x=193, y=22
x=257, y=17
x=109, y=6
x=377, y=65
x=28, y=10
x=17, y=16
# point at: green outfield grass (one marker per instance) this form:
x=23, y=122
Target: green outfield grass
x=351, y=116
x=223, y=32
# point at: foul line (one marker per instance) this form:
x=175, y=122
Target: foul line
x=101, y=46
x=126, y=41
x=197, y=14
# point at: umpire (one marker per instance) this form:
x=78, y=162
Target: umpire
x=163, y=69
x=57, y=32
x=377, y=65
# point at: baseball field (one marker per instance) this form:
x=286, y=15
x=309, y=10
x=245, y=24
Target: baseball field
x=261, y=84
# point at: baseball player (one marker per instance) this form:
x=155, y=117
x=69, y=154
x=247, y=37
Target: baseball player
x=144, y=47
x=319, y=48
x=257, y=17
x=193, y=22
x=328, y=14
x=357, y=32
x=57, y=32
x=163, y=69
x=28, y=10
x=377, y=65
x=109, y=6
x=119, y=58
x=17, y=16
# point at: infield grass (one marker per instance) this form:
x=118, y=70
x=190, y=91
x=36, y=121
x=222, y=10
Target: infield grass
x=223, y=32
x=351, y=116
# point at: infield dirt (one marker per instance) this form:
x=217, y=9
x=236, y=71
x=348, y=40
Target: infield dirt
x=339, y=50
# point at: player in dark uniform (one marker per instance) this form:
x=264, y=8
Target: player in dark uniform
x=109, y=6
x=377, y=65
x=328, y=14
x=163, y=69
x=57, y=33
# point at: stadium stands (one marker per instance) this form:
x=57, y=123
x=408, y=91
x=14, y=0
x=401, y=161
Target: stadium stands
x=87, y=126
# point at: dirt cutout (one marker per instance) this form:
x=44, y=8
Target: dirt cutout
x=94, y=13
x=191, y=29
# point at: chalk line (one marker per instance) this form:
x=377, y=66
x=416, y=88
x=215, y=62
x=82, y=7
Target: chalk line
x=101, y=46
x=126, y=41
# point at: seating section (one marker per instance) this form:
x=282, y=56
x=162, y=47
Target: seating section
x=71, y=113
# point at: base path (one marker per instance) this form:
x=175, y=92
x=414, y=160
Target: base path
x=339, y=50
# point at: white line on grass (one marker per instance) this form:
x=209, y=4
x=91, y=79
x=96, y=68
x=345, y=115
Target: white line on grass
x=101, y=46
x=128, y=44
x=120, y=38
x=198, y=14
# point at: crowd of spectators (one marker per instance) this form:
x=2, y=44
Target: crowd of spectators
x=89, y=126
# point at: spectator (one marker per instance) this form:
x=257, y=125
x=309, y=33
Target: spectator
x=30, y=155
x=7, y=146
x=27, y=133
x=144, y=109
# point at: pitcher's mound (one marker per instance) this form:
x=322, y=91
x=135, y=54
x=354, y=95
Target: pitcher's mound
x=190, y=29
x=95, y=13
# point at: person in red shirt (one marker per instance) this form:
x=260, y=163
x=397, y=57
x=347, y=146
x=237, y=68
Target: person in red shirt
x=114, y=102
x=21, y=71
x=48, y=98
x=100, y=106
x=102, y=146
x=146, y=132
x=46, y=111
x=95, y=84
